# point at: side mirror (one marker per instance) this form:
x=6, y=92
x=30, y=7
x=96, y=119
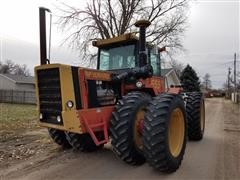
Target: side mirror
x=162, y=49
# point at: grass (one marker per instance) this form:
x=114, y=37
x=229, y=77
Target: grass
x=17, y=116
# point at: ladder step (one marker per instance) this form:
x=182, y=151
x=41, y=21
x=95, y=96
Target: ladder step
x=91, y=127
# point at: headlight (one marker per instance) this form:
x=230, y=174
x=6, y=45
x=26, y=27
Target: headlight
x=139, y=84
x=59, y=119
x=70, y=104
x=40, y=116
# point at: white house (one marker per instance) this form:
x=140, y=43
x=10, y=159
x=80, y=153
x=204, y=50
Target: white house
x=171, y=77
x=16, y=82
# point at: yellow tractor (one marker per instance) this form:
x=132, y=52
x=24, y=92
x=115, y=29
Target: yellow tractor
x=124, y=101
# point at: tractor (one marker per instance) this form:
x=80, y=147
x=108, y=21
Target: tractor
x=123, y=102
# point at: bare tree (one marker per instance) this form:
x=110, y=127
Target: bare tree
x=177, y=66
x=9, y=67
x=102, y=19
x=207, y=82
x=21, y=70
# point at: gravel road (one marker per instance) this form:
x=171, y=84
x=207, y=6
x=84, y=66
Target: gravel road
x=217, y=156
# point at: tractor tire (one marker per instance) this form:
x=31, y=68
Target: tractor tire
x=125, y=127
x=82, y=142
x=165, y=132
x=195, y=109
x=59, y=138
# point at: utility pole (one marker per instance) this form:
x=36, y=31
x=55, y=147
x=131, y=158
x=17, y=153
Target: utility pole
x=228, y=80
x=206, y=84
x=235, y=76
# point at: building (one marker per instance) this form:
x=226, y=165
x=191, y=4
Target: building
x=17, y=82
x=17, y=89
x=171, y=77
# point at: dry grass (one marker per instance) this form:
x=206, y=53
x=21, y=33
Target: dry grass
x=15, y=119
x=17, y=116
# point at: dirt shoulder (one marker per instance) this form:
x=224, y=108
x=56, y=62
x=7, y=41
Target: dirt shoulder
x=21, y=138
x=24, y=146
x=229, y=157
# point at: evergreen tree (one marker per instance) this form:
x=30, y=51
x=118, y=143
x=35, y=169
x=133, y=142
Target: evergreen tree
x=189, y=79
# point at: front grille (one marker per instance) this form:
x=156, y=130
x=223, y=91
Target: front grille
x=49, y=89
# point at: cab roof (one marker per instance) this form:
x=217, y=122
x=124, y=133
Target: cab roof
x=129, y=37
x=125, y=38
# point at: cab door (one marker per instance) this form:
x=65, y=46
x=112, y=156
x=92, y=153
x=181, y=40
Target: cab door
x=154, y=60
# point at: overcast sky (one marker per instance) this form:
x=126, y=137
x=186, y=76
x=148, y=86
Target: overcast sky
x=211, y=40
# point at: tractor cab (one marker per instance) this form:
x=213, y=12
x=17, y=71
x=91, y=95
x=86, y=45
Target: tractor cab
x=120, y=53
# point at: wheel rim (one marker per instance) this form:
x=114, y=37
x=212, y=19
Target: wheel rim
x=138, y=127
x=176, y=132
x=202, y=114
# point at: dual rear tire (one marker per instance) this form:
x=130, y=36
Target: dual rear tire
x=158, y=136
x=165, y=132
x=195, y=109
x=127, y=120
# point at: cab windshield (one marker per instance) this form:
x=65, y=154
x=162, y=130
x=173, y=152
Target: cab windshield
x=120, y=57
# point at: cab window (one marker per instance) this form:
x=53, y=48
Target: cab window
x=117, y=57
x=154, y=62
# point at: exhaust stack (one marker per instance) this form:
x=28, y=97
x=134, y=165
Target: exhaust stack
x=42, y=30
x=144, y=69
x=142, y=24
